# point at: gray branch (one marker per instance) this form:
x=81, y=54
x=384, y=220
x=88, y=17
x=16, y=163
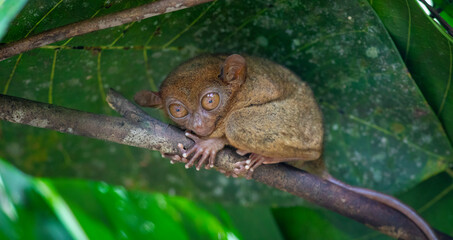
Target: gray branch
x=138, y=129
x=90, y=25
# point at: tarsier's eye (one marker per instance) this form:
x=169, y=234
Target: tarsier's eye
x=210, y=101
x=177, y=110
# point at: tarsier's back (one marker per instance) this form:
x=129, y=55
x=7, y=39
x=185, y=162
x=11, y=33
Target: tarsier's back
x=281, y=118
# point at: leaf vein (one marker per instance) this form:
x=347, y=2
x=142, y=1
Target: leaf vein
x=52, y=74
x=44, y=17
x=188, y=27
x=5, y=90
x=409, y=23
x=447, y=89
x=436, y=198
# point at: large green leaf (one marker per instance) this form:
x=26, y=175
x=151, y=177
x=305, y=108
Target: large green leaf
x=427, y=51
x=8, y=10
x=380, y=132
x=33, y=208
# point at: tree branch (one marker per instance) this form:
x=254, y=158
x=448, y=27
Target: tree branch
x=439, y=18
x=136, y=128
x=95, y=24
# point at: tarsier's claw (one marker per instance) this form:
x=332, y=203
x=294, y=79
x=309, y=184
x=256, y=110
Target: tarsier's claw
x=181, y=147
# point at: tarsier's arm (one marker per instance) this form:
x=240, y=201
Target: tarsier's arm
x=257, y=106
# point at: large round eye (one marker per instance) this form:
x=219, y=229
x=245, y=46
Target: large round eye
x=177, y=110
x=210, y=101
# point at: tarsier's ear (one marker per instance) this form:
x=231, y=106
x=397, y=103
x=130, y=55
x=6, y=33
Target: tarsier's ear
x=234, y=69
x=148, y=99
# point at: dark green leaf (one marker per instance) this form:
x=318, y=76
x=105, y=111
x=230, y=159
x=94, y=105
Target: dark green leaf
x=433, y=199
x=427, y=51
x=305, y=223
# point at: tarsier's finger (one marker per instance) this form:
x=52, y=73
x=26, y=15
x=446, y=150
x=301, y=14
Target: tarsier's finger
x=192, y=136
x=190, y=151
x=248, y=163
x=211, y=160
x=190, y=163
x=239, y=167
x=173, y=158
x=197, y=154
x=241, y=164
x=202, y=160
x=256, y=164
x=193, y=159
x=184, y=160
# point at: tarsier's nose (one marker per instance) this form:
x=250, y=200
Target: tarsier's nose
x=198, y=127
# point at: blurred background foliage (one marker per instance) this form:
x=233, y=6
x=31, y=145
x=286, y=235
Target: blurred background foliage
x=381, y=71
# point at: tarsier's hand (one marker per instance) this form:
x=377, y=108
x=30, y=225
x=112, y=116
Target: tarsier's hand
x=203, y=150
x=248, y=166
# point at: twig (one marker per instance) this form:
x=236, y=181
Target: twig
x=95, y=24
x=439, y=18
x=138, y=129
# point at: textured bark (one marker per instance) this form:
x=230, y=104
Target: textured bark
x=138, y=129
x=95, y=24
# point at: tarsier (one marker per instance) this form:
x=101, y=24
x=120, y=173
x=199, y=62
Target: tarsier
x=255, y=105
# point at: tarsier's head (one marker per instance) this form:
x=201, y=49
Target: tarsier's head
x=197, y=94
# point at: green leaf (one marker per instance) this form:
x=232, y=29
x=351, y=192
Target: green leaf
x=254, y=222
x=427, y=51
x=432, y=199
x=380, y=132
x=33, y=208
x=8, y=10
x=306, y=223
x=27, y=213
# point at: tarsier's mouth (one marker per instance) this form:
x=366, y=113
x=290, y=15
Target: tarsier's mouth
x=203, y=133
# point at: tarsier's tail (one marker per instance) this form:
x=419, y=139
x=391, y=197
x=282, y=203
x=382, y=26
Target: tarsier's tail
x=389, y=201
